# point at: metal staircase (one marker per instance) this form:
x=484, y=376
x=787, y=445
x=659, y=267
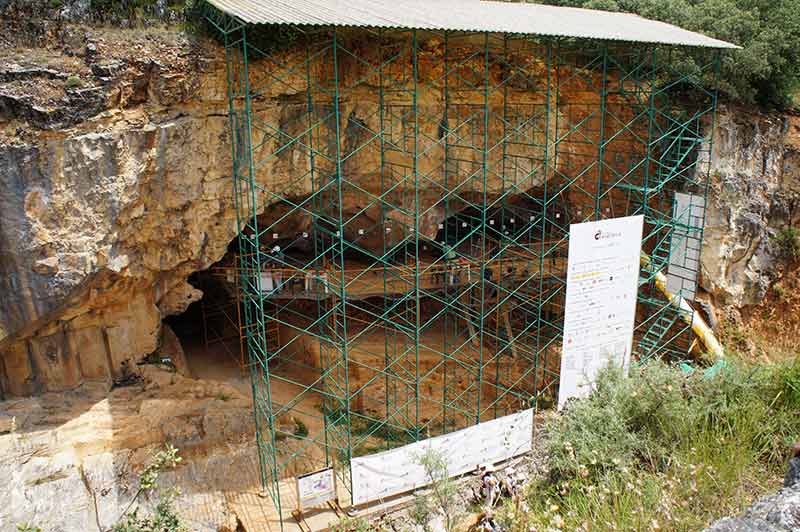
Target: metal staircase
x=653, y=342
x=676, y=147
x=659, y=259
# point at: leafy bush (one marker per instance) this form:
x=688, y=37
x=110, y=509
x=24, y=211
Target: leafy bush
x=73, y=82
x=788, y=243
x=638, y=421
x=354, y=524
x=666, y=449
x=625, y=420
x=136, y=10
x=442, y=495
x=767, y=69
x=164, y=518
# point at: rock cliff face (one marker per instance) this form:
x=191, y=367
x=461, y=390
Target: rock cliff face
x=753, y=203
x=109, y=200
x=71, y=460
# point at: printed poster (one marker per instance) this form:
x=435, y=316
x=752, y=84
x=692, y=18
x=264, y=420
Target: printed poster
x=600, y=309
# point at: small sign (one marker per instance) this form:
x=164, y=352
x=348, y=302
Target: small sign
x=315, y=489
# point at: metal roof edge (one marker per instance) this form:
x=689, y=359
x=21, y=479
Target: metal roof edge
x=469, y=15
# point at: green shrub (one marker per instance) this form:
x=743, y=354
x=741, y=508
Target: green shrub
x=73, y=82
x=625, y=420
x=441, y=495
x=787, y=241
x=354, y=524
x=164, y=518
x=136, y=10
x=638, y=421
x=666, y=449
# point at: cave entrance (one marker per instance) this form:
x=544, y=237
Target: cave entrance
x=209, y=330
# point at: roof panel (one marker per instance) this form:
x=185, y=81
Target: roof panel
x=467, y=15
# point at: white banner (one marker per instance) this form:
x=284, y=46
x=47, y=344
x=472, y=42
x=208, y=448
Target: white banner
x=382, y=475
x=600, y=308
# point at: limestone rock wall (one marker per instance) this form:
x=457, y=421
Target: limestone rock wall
x=754, y=199
x=107, y=205
x=71, y=460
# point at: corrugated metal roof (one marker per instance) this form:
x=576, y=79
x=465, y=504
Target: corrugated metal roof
x=467, y=15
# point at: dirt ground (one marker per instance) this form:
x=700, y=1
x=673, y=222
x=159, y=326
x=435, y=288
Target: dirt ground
x=769, y=331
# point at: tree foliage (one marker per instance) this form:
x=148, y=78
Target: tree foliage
x=766, y=71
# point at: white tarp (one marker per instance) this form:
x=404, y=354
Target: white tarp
x=600, y=308
x=315, y=489
x=396, y=471
x=684, y=251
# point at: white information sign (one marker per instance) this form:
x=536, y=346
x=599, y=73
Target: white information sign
x=266, y=281
x=684, y=252
x=315, y=489
x=396, y=471
x=600, y=308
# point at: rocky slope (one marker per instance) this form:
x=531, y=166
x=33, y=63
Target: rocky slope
x=70, y=460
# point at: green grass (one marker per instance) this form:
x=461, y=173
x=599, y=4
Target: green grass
x=664, y=450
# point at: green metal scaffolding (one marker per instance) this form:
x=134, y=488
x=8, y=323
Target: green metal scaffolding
x=404, y=199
